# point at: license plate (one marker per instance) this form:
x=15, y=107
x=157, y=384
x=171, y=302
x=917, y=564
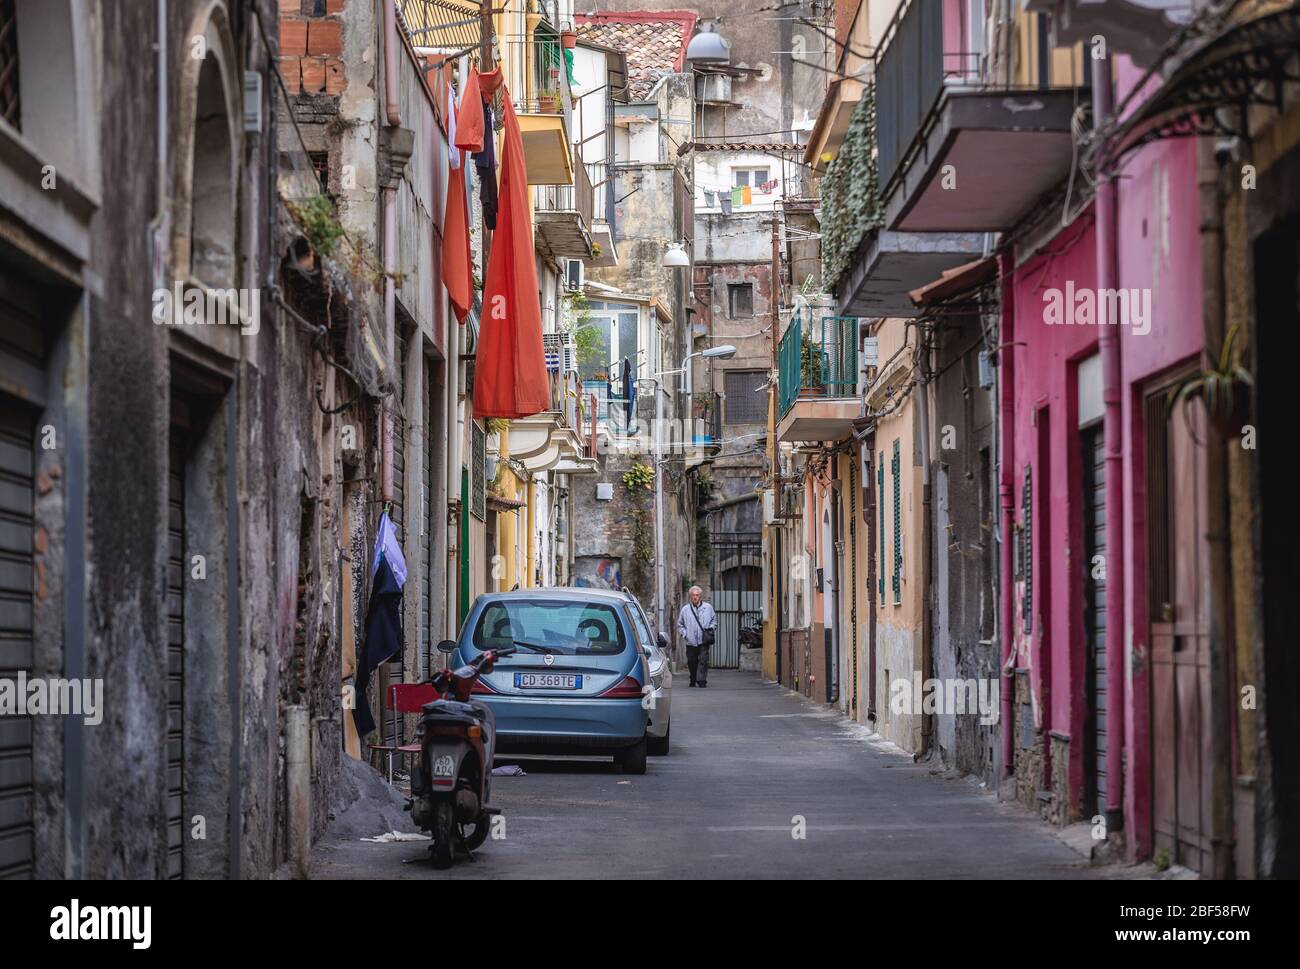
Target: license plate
x=548, y=681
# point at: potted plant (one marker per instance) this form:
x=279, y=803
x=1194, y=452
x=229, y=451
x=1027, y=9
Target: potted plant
x=568, y=36
x=810, y=370
x=1224, y=391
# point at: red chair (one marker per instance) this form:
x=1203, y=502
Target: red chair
x=405, y=698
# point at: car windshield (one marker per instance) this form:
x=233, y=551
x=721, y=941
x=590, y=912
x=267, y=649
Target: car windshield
x=567, y=627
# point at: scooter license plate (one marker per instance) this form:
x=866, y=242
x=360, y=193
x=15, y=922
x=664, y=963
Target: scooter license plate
x=548, y=681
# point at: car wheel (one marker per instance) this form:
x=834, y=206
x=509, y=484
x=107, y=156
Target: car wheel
x=658, y=746
x=632, y=759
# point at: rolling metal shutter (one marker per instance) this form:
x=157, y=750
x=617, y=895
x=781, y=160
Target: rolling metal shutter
x=1094, y=609
x=176, y=569
x=896, y=466
x=17, y=471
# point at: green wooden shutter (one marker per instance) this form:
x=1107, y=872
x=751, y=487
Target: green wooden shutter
x=880, y=500
x=895, y=466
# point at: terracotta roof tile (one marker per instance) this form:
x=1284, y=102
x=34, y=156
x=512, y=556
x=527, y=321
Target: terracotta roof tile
x=653, y=43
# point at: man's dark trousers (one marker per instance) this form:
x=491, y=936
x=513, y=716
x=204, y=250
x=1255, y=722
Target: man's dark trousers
x=697, y=658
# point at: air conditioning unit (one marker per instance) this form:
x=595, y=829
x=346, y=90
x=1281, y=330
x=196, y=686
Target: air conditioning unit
x=573, y=277
x=561, y=354
x=713, y=87
x=769, y=507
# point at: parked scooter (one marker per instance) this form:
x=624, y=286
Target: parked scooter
x=451, y=782
x=751, y=634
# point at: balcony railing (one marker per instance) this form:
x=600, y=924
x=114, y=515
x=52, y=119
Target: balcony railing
x=577, y=197
x=818, y=359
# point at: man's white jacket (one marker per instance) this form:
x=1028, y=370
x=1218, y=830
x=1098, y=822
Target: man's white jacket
x=691, y=630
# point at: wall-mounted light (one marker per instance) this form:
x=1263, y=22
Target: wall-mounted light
x=675, y=257
x=708, y=47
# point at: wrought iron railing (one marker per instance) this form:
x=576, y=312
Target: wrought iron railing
x=817, y=359
x=577, y=197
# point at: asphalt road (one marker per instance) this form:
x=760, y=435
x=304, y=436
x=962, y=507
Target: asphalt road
x=748, y=761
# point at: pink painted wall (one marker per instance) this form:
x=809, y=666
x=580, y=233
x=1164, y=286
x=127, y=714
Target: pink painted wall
x=1158, y=249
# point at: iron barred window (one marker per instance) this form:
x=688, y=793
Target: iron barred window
x=10, y=108
x=746, y=396
x=478, y=476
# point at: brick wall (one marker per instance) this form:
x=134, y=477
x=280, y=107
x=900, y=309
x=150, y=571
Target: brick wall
x=311, y=46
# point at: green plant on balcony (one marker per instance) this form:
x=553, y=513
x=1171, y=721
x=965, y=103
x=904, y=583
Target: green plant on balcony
x=851, y=204
x=810, y=366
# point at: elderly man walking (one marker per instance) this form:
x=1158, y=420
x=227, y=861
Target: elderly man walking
x=697, y=624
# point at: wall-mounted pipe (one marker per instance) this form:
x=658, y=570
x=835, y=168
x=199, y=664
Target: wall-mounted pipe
x=1006, y=457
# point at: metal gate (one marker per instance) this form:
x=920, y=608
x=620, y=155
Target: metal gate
x=17, y=468
x=736, y=584
x=177, y=565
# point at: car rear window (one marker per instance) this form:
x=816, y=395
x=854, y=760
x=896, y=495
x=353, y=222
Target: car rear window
x=566, y=627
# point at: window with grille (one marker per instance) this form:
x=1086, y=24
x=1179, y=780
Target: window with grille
x=477, y=474
x=896, y=466
x=9, y=103
x=752, y=177
x=740, y=301
x=746, y=396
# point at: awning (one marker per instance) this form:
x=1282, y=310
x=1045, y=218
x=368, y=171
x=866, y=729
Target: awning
x=955, y=281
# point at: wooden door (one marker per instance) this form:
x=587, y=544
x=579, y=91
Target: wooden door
x=1180, y=640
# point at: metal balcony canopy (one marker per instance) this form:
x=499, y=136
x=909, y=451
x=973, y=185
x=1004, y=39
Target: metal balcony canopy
x=1228, y=63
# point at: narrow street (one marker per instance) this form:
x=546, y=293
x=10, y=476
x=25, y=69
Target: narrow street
x=747, y=757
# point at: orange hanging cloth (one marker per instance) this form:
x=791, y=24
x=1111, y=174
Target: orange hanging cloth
x=469, y=121
x=457, y=261
x=510, y=370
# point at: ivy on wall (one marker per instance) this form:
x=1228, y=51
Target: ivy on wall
x=850, y=198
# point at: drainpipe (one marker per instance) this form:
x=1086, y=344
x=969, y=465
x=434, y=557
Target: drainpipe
x=1218, y=526
x=927, y=630
x=1117, y=635
x=298, y=778
x=1006, y=451
x=455, y=411
x=394, y=115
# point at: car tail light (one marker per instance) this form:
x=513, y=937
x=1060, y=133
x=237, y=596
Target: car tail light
x=481, y=687
x=626, y=689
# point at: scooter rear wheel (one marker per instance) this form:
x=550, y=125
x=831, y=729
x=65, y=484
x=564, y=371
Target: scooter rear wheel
x=444, y=826
x=476, y=833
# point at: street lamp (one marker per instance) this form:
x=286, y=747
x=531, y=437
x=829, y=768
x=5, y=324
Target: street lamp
x=724, y=352
x=708, y=47
x=675, y=257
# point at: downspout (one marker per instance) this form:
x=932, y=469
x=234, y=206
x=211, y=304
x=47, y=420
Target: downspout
x=1116, y=620
x=455, y=503
x=1218, y=526
x=394, y=116
x=923, y=418
x=1006, y=450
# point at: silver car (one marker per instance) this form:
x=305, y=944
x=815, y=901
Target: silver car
x=658, y=728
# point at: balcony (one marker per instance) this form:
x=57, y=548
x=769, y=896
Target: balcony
x=817, y=365
x=946, y=134
x=547, y=155
x=556, y=439
x=563, y=216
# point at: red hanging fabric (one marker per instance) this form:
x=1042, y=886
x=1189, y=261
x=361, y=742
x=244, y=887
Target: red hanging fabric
x=469, y=120
x=510, y=370
x=457, y=261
